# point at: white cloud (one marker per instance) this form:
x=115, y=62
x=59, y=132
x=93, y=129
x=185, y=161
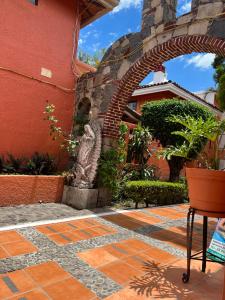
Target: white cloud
x=186, y=7
x=80, y=42
x=124, y=4
x=201, y=61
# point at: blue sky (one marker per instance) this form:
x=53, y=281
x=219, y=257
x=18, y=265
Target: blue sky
x=193, y=72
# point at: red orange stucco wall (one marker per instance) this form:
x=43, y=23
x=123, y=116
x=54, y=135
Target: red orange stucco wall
x=32, y=38
x=22, y=189
x=142, y=99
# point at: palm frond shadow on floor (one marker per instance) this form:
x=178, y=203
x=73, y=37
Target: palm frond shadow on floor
x=163, y=281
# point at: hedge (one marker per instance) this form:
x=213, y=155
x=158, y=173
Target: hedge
x=155, y=192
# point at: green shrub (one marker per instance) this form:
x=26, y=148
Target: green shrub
x=155, y=192
x=40, y=164
x=155, y=116
x=12, y=164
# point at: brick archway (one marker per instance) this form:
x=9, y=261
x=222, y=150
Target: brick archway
x=148, y=62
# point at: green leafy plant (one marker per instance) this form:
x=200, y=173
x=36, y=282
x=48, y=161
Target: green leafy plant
x=92, y=60
x=111, y=164
x=68, y=141
x=219, y=77
x=40, y=164
x=155, y=116
x=196, y=131
x=138, y=149
x=136, y=172
x=155, y=192
x=13, y=164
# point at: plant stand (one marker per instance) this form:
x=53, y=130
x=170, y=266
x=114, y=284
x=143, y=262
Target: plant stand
x=201, y=255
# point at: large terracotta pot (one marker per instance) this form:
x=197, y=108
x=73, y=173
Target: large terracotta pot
x=206, y=189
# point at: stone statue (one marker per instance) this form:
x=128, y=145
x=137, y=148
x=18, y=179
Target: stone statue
x=88, y=155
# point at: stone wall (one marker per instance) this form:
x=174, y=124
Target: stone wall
x=132, y=57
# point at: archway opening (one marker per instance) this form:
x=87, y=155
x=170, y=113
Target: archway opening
x=150, y=62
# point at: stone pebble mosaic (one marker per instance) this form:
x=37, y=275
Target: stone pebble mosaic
x=95, y=258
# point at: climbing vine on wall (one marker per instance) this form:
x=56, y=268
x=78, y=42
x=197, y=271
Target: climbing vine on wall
x=68, y=142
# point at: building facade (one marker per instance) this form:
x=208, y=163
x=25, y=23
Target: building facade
x=162, y=88
x=39, y=41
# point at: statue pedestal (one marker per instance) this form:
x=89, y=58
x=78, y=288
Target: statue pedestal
x=80, y=198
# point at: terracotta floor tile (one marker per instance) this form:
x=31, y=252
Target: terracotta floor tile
x=60, y=227
x=163, y=235
x=64, y=238
x=120, y=250
x=36, y=294
x=15, y=283
x=163, y=281
x=104, y=230
x=182, y=231
x=143, y=218
x=138, y=261
x=20, y=248
x=97, y=257
x=3, y=253
x=128, y=294
x=125, y=221
x=84, y=223
x=159, y=255
x=5, y=291
x=120, y=272
x=47, y=273
x=68, y=289
x=136, y=245
x=21, y=281
x=85, y=234
x=10, y=236
x=168, y=212
x=43, y=229
x=53, y=228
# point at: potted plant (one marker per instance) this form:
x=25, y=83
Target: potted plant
x=206, y=186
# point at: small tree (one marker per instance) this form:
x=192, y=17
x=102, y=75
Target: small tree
x=196, y=130
x=138, y=148
x=219, y=77
x=67, y=141
x=155, y=116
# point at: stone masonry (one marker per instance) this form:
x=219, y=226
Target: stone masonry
x=132, y=57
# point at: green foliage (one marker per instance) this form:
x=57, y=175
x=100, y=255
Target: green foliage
x=219, y=77
x=68, y=141
x=136, y=172
x=111, y=164
x=40, y=164
x=108, y=172
x=92, y=60
x=155, y=192
x=13, y=164
x=196, y=131
x=155, y=116
x=221, y=92
x=138, y=148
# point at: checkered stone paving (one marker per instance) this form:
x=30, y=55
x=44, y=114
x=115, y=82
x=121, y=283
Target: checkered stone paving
x=136, y=254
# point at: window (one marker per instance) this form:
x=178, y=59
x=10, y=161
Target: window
x=34, y=2
x=133, y=105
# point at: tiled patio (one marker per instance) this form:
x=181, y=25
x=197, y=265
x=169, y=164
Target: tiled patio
x=130, y=255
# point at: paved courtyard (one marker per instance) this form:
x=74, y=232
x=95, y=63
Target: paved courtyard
x=126, y=255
